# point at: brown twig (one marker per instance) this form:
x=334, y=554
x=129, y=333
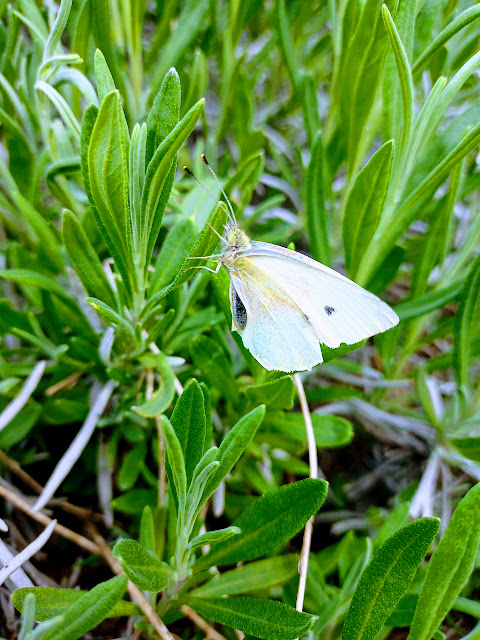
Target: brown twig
x=201, y=623
x=66, y=383
x=21, y=504
x=100, y=547
x=133, y=590
x=79, y=512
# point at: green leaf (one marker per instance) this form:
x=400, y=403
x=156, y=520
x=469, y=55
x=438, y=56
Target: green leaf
x=233, y=446
x=147, y=529
x=395, y=520
x=387, y=577
x=207, y=242
x=188, y=420
x=392, y=103
x=437, y=238
x=449, y=567
x=364, y=206
x=87, y=263
x=173, y=253
x=469, y=446
x=254, y=576
x=131, y=466
x=286, y=45
x=105, y=83
x=456, y=25
x=89, y=119
x=108, y=178
x=20, y=426
x=277, y=394
x=163, y=398
x=56, y=32
x=209, y=356
x=465, y=322
x=330, y=354
x=247, y=176
x=51, y=602
x=154, y=198
x=192, y=19
x=29, y=278
x=142, y=566
x=261, y=618
x=403, y=67
x=110, y=316
x=330, y=431
x=133, y=502
x=389, y=233
x=315, y=202
x=197, y=86
x=48, y=243
x=176, y=464
x=362, y=74
x=429, y=302
x=269, y=522
x=165, y=112
x=136, y=161
x=211, y=537
x=89, y=610
x=308, y=94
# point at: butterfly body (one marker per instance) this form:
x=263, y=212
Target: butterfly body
x=284, y=304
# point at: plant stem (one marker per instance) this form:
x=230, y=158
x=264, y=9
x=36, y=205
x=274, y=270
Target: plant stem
x=314, y=473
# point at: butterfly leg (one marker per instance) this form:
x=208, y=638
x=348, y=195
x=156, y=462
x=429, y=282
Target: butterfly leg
x=215, y=255
x=216, y=270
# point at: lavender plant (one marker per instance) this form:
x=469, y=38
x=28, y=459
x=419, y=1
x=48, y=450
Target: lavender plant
x=170, y=458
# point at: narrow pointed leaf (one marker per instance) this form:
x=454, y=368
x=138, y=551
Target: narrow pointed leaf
x=51, y=602
x=387, y=577
x=253, y=576
x=315, y=202
x=188, y=420
x=465, y=321
x=269, y=522
x=87, y=263
x=89, y=610
x=261, y=618
x=163, y=397
x=449, y=567
x=142, y=566
x=233, y=446
x=364, y=206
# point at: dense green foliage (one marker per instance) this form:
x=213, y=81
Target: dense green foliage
x=348, y=129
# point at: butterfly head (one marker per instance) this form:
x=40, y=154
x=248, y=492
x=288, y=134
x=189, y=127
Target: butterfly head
x=237, y=241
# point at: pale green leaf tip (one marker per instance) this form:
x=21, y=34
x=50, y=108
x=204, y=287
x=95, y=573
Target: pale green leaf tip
x=173, y=72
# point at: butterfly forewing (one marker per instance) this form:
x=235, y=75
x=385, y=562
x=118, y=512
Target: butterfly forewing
x=338, y=310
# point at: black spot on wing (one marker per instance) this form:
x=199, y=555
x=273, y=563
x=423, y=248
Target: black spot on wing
x=329, y=310
x=239, y=312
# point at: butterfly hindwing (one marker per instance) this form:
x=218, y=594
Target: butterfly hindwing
x=272, y=326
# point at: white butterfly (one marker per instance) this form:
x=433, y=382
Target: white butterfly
x=284, y=303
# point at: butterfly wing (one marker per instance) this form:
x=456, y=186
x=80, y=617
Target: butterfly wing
x=339, y=310
x=271, y=325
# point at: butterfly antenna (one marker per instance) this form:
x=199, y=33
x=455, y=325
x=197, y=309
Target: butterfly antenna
x=190, y=173
x=229, y=204
x=216, y=232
